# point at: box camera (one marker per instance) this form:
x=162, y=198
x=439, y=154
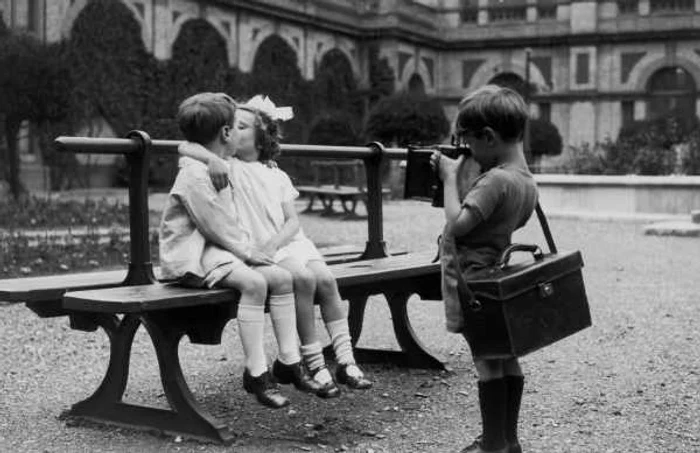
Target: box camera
x=422, y=183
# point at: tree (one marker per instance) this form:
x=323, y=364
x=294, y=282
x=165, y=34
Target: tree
x=37, y=89
x=545, y=139
x=407, y=118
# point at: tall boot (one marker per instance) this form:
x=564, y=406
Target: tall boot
x=514, y=385
x=492, y=401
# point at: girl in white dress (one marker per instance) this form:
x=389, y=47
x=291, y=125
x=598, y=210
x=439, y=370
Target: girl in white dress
x=264, y=198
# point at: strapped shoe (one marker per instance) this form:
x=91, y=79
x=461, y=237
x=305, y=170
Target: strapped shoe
x=265, y=389
x=354, y=382
x=295, y=374
x=327, y=390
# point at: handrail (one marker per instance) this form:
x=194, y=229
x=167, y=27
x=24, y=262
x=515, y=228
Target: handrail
x=138, y=147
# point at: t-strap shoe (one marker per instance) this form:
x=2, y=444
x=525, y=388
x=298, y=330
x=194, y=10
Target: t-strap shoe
x=354, y=382
x=327, y=390
x=265, y=389
x=295, y=374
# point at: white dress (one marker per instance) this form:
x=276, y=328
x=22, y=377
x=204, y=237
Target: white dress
x=258, y=194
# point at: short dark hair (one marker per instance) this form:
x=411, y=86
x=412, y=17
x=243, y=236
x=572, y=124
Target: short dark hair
x=201, y=116
x=499, y=108
x=267, y=134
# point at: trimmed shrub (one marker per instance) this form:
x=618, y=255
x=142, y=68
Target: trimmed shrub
x=407, y=118
x=545, y=139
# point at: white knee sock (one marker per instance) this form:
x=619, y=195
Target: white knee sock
x=251, y=323
x=314, y=360
x=340, y=337
x=284, y=323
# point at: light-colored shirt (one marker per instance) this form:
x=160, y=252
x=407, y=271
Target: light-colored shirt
x=199, y=228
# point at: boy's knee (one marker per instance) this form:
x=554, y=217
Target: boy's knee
x=489, y=369
x=254, y=287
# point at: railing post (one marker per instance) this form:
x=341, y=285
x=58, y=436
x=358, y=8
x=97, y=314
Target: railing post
x=376, y=247
x=140, y=266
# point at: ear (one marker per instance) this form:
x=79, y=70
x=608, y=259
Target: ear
x=489, y=135
x=225, y=133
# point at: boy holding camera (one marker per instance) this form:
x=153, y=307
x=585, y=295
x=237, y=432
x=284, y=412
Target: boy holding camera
x=481, y=216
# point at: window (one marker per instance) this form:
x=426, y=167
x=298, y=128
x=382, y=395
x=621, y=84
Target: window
x=546, y=9
x=470, y=11
x=627, y=6
x=512, y=11
x=545, y=109
x=582, y=68
x=627, y=108
x=665, y=6
x=671, y=91
x=33, y=15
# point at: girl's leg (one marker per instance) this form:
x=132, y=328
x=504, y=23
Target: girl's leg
x=515, y=381
x=282, y=312
x=337, y=325
x=251, y=322
x=492, y=402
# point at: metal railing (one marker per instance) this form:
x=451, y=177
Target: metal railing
x=138, y=147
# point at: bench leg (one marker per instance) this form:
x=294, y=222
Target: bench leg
x=106, y=406
x=327, y=201
x=310, y=206
x=413, y=353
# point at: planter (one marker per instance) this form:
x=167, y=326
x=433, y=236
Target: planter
x=631, y=194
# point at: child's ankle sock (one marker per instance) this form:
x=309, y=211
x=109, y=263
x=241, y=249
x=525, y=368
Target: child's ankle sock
x=342, y=346
x=315, y=362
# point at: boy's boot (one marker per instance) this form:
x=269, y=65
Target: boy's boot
x=492, y=401
x=514, y=385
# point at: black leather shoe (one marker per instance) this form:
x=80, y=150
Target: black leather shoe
x=295, y=374
x=475, y=447
x=327, y=390
x=357, y=383
x=265, y=389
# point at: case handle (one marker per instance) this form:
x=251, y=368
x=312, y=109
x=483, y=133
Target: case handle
x=531, y=248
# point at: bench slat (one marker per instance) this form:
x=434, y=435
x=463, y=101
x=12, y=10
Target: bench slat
x=142, y=298
x=33, y=289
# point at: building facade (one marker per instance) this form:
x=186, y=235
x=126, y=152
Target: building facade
x=595, y=65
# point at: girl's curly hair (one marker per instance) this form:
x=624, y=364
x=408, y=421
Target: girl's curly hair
x=267, y=134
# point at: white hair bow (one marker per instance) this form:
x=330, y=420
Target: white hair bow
x=265, y=105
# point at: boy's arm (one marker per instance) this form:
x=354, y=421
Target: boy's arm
x=216, y=222
x=460, y=219
x=216, y=166
x=289, y=229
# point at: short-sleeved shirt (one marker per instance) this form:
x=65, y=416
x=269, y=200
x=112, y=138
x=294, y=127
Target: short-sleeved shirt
x=197, y=224
x=504, y=197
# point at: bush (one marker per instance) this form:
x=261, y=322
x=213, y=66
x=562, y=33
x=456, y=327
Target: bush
x=407, y=118
x=545, y=139
x=33, y=212
x=587, y=160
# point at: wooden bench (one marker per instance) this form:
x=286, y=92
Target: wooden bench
x=347, y=195
x=121, y=301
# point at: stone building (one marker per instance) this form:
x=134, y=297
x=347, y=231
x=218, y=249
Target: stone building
x=596, y=65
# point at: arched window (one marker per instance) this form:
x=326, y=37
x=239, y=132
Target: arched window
x=671, y=90
x=416, y=85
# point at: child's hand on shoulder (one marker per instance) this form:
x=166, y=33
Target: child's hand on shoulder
x=270, y=163
x=218, y=172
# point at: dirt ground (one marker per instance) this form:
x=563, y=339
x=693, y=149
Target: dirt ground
x=629, y=383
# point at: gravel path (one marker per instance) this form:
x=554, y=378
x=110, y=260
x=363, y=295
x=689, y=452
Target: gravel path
x=629, y=383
